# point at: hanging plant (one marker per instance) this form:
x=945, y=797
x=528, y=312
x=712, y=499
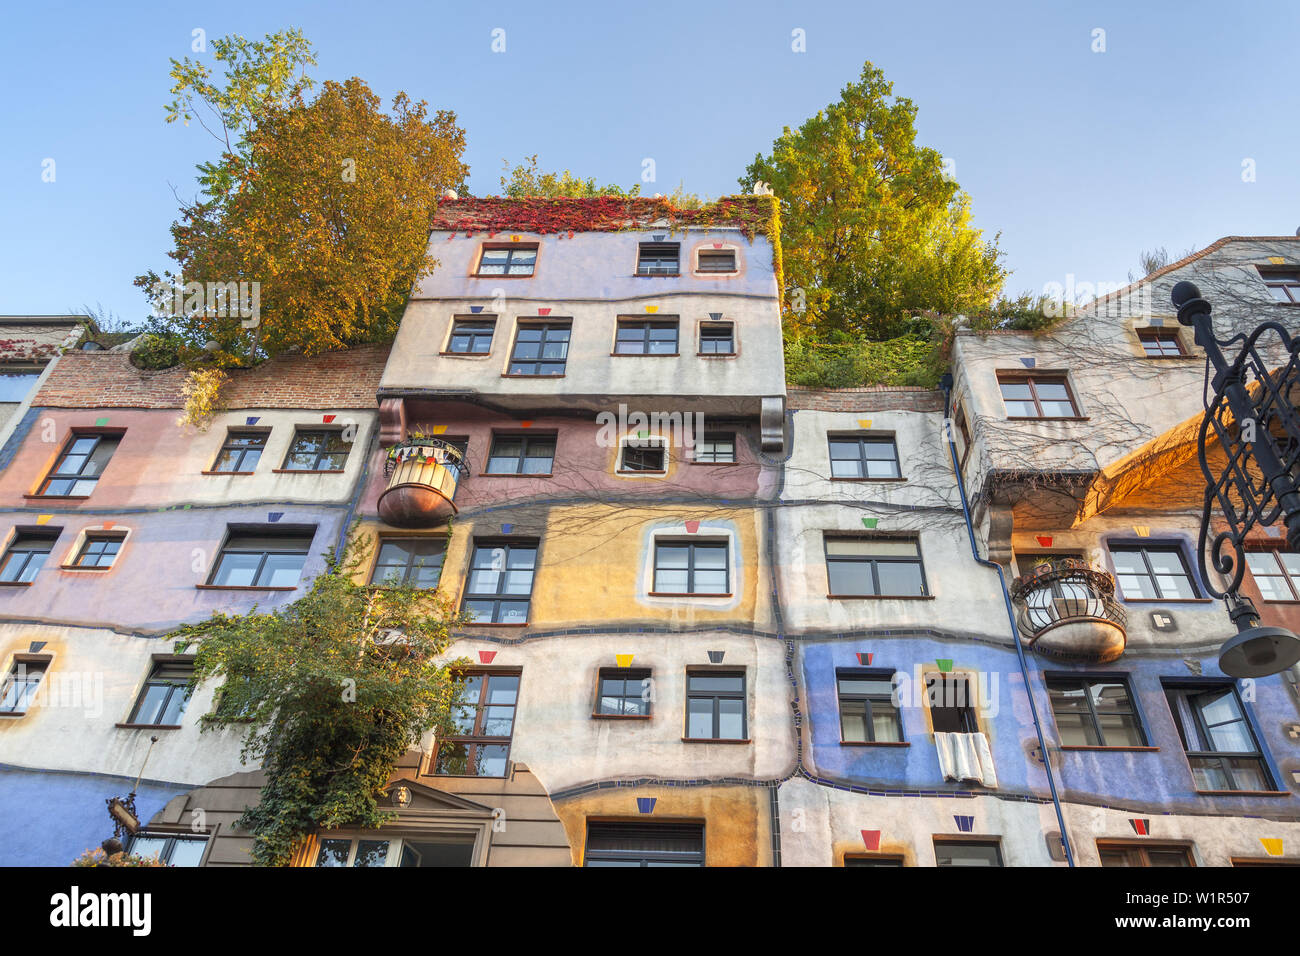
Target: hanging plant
x=202, y=391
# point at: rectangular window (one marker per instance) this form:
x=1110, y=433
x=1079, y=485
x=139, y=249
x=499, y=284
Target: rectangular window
x=963, y=433
x=644, y=844
x=715, y=705
x=658, y=259
x=99, y=550
x=344, y=852
x=26, y=555
x=716, y=448
x=868, y=713
x=471, y=336
x=967, y=853
x=646, y=455
x=409, y=562
x=174, y=849
x=163, y=698
x=646, y=337
x=240, y=452
x=317, y=450
x=691, y=567
x=952, y=709
x=79, y=467
x=889, y=861
x=716, y=260
x=15, y=384
x=1282, y=284
x=623, y=692
x=718, y=338
x=517, y=259
x=1276, y=574
x=483, y=721
x=20, y=685
x=1152, y=573
x=874, y=567
x=1095, y=712
x=521, y=454
x=540, y=349
x=1146, y=854
x=261, y=559
x=1160, y=343
x=1217, y=738
x=1036, y=396
x=500, y=584
x=875, y=457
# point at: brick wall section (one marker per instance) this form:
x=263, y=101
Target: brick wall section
x=875, y=398
x=347, y=379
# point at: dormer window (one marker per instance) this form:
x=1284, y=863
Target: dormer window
x=658, y=259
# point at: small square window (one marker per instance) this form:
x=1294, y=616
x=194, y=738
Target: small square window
x=643, y=456
x=78, y=469
x=623, y=692
x=1160, y=343
x=98, y=550
x=471, y=336
x=658, y=259
x=517, y=259
x=165, y=693
x=20, y=685
x=322, y=449
x=716, y=260
x=240, y=452
x=718, y=338
x=716, y=448
x=26, y=555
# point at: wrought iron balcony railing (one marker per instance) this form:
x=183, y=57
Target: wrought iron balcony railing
x=423, y=475
x=1067, y=610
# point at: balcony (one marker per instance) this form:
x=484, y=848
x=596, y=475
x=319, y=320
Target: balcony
x=1068, y=611
x=423, y=474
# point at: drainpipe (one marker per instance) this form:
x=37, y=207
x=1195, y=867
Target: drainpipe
x=946, y=384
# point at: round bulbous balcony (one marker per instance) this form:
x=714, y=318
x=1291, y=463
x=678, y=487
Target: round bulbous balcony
x=423, y=474
x=1068, y=611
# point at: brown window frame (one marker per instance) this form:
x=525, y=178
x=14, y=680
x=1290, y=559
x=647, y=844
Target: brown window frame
x=75, y=435
x=476, y=739
x=1012, y=377
x=1281, y=277
x=1141, y=851
x=1158, y=334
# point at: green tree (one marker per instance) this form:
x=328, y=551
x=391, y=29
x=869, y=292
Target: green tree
x=528, y=180
x=331, y=691
x=873, y=229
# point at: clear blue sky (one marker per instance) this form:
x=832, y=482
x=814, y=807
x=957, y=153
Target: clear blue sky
x=1079, y=159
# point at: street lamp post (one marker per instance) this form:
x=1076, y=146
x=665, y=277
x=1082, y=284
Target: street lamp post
x=1253, y=417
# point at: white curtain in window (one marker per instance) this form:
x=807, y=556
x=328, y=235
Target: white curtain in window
x=966, y=757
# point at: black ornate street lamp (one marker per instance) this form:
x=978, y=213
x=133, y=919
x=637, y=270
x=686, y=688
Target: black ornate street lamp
x=1254, y=419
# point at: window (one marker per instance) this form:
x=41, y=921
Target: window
x=20, y=685
x=718, y=338
x=344, y=852
x=163, y=698
x=1145, y=854
x=409, y=562
x=521, y=455
x=540, y=349
x=716, y=260
x=646, y=337
x=658, y=259
x=623, y=692
x=868, y=713
x=483, y=721
x=967, y=853
x=1276, y=574
x=174, y=849
x=1095, y=712
x=644, y=844
x=518, y=259
x=471, y=336
x=716, y=448
x=99, y=550
x=1039, y=396
x=643, y=455
x=317, y=450
x=79, y=467
x=500, y=583
x=963, y=432
x=261, y=559
x=715, y=705
x=241, y=451
x=1152, y=573
x=26, y=555
x=890, y=861
x=691, y=567
x=1282, y=284
x=1217, y=738
x=15, y=384
x=951, y=704
x=874, y=567
x=448, y=849
x=864, y=458
x=1160, y=343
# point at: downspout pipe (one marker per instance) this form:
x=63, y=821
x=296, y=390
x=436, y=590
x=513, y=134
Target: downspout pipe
x=946, y=384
